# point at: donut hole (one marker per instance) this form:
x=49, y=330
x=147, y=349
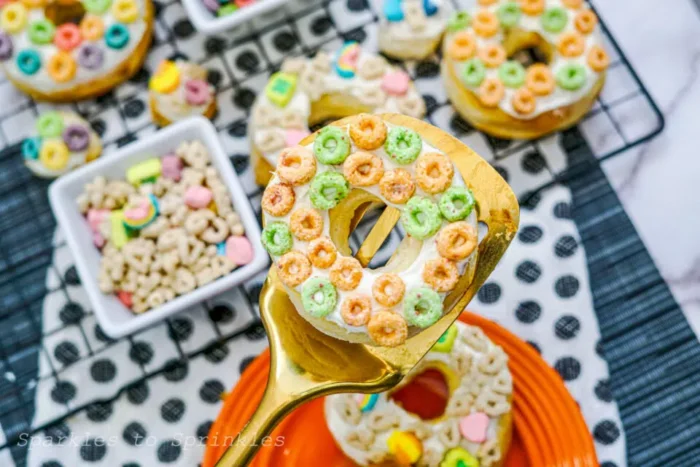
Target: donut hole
x=62, y=12
x=426, y=395
x=528, y=48
x=365, y=225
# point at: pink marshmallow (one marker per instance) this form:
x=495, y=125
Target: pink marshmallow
x=95, y=217
x=474, y=426
x=171, y=167
x=396, y=83
x=294, y=137
x=198, y=197
x=98, y=240
x=239, y=250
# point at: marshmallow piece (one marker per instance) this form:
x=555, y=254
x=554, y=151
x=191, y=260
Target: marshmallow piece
x=198, y=197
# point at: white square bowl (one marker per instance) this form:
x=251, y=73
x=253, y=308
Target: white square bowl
x=208, y=23
x=116, y=319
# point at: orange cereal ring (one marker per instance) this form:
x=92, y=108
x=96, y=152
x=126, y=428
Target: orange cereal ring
x=322, y=253
x=368, y=132
x=306, y=224
x=293, y=268
x=573, y=4
x=434, y=172
x=493, y=55
x=570, y=44
x=598, y=59
x=278, y=199
x=387, y=328
x=463, y=46
x=539, y=79
x=61, y=67
x=487, y=2
x=397, y=186
x=532, y=7
x=485, y=23
x=441, y=274
x=296, y=165
x=363, y=169
x=456, y=241
x=491, y=92
x=585, y=21
x=388, y=289
x=355, y=311
x=92, y=27
x=524, y=101
x=346, y=273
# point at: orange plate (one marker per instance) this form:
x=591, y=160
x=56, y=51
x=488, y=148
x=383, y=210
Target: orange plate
x=549, y=429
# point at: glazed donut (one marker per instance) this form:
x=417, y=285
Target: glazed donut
x=412, y=29
x=63, y=141
x=179, y=90
x=470, y=426
x=68, y=50
x=497, y=94
x=309, y=216
x=308, y=91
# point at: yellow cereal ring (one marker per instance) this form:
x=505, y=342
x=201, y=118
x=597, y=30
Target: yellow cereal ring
x=54, y=155
x=61, y=67
x=166, y=79
x=126, y=11
x=14, y=18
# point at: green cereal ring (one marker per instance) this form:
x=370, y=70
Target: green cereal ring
x=277, y=238
x=458, y=21
x=571, y=76
x=403, y=145
x=327, y=189
x=509, y=14
x=332, y=145
x=41, y=31
x=554, y=19
x=512, y=74
x=318, y=297
x=50, y=125
x=422, y=307
x=96, y=6
x=420, y=218
x=474, y=72
x=456, y=203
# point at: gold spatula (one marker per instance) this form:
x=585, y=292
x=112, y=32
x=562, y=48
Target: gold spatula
x=305, y=363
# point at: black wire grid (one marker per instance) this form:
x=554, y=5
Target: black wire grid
x=239, y=63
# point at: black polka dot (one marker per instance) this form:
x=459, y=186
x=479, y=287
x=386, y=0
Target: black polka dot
x=427, y=69
x=255, y=332
x=599, y=349
x=565, y=246
x=498, y=143
x=141, y=352
x=528, y=271
x=459, y=125
x=222, y=313
x=131, y=464
x=244, y=363
x=71, y=313
x=357, y=35
x=238, y=129
x=244, y=98
x=240, y=163
x=169, y=451
x=211, y=391
x=502, y=172
x=214, y=77
x=530, y=200
x=321, y=25
x=63, y=392
x=58, y=434
x=141, y=77
x=101, y=336
x=93, y=449
x=489, y=293
x=562, y=210
x=51, y=463
x=134, y=108
x=134, y=434
x=71, y=276
x=603, y=391
x=180, y=329
x=99, y=411
x=535, y=346
x=106, y=98
x=530, y=234
x=126, y=139
x=172, y=410
x=177, y=55
x=247, y=61
x=214, y=45
x=567, y=327
x=356, y=5
x=99, y=126
x=284, y=41
x=137, y=393
x=216, y=352
x=568, y=368
x=175, y=370
x=566, y=286
x=533, y=162
x=66, y=352
x=606, y=432
x=183, y=29
x=203, y=430
x=528, y=312
x=608, y=464
x=103, y=370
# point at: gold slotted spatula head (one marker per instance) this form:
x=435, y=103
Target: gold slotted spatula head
x=306, y=363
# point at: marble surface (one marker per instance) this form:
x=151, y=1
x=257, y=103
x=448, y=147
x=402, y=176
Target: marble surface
x=658, y=182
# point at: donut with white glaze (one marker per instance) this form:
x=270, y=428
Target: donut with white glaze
x=412, y=29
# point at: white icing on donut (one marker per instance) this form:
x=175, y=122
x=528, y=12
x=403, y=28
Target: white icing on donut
x=402, y=37
x=174, y=105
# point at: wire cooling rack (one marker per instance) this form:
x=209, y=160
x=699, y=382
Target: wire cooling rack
x=37, y=354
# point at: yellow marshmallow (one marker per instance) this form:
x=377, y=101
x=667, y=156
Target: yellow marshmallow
x=405, y=447
x=166, y=79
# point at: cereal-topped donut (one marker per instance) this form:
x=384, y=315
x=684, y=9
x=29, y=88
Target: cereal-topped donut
x=67, y=50
x=412, y=29
x=307, y=91
x=499, y=95
x=463, y=419
x=308, y=208
x=63, y=141
x=179, y=89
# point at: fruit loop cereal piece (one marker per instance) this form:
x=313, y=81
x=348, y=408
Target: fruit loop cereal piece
x=397, y=186
x=554, y=19
x=434, y=172
x=239, y=250
x=571, y=44
x=368, y=132
x=198, y=197
x=179, y=89
x=346, y=273
x=539, y=79
x=14, y=17
x=322, y=253
x=54, y=155
x=598, y=59
x=524, y=101
x=441, y=274
x=571, y=77
x=356, y=311
x=456, y=203
x=363, y=169
x=388, y=290
x=458, y=21
x=485, y=23
x=277, y=238
x=512, y=74
x=491, y=92
x=421, y=218
x=585, y=21
x=532, y=7
x=387, y=329
x=403, y=145
x=328, y=189
x=92, y=27
x=463, y=46
x=319, y=297
x=296, y=166
x=76, y=137
x=492, y=55
x=332, y=145
x=422, y=307
x=49, y=125
x=474, y=72
x=293, y=268
x=67, y=37
x=306, y=224
x=509, y=14
x=456, y=241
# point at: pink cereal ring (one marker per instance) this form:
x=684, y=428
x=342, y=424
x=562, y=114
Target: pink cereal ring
x=198, y=197
x=239, y=250
x=197, y=92
x=67, y=37
x=171, y=167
